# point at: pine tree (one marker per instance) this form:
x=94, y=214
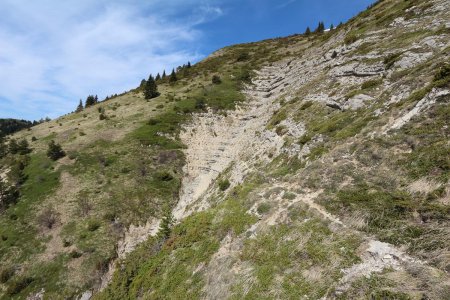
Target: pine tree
x=331, y=27
x=151, y=89
x=90, y=100
x=165, y=227
x=320, y=28
x=307, y=31
x=23, y=147
x=173, y=76
x=79, y=107
x=164, y=75
x=55, y=151
x=158, y=77
x=13, y=147
x=189, y=64
x=95, y=99
x=143, y=83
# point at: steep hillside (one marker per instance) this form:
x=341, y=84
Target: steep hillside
x=316, y=168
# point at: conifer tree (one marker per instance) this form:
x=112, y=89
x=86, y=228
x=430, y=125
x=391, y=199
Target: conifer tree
x=164, y=75
x=189, y=64
x=55, y=151
x=143, y=83
x=90, y=100
x=173, y=76
x=331, y=27
x=13, y=147
x=151, y=89
x=165, y=227
x=23, y=147
x=307, y=31
x=158, y=77
x=320, y=28
x=79, y=107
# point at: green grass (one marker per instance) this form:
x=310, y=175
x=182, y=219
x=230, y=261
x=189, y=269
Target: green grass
x=41, y=178
x=373, y=287
x=280, y=256
x=370, y=84
x=430, y=157
x=158, y=267
x=19, y=235
x=390, y=214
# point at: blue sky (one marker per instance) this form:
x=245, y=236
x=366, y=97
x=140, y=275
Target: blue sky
x=52, y=53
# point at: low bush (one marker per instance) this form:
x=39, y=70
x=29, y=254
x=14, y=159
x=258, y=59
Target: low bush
x=48, y=218
x=371, y=84
x=93, y=225
x=391, y=59
x=6, y=274
x=263, y=208
x=55, y=151
x=18, y=285
x=350, y=38
x=216, y=79
x=224, y=184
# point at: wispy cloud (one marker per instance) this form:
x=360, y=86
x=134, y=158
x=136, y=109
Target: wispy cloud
x=55, y=52
x=285, y=3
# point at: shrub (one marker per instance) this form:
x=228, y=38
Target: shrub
x=55, y=151
x=244, y=76
x=243, y=56
x=75, y=254
x=93, y=225
x=164, y=176
x=153, y=122
x=224, y=184
x=390, y=60
x=102, y=117
x=20, y=147
x=48, y=218
x=350, y=38
x=442, y=77
x=216, y=79
x=306, y=105
x=6, y=274
x=200, y=104
x=263, y=208
x=371, y=84
x=19, y=285
x=304, y=139
x=281, y=130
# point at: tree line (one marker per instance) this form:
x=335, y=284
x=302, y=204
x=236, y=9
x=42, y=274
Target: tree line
x=320, y=28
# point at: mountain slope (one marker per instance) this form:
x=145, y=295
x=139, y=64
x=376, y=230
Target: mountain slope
x=317, y=168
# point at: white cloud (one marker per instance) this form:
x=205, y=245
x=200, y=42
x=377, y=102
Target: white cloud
x=284, y=4
x=54, y=52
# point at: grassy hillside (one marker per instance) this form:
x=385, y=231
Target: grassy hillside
x=334, y=181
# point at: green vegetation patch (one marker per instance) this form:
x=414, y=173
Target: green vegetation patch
x=159, y=268
x=389, y=214
x=282, y=257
